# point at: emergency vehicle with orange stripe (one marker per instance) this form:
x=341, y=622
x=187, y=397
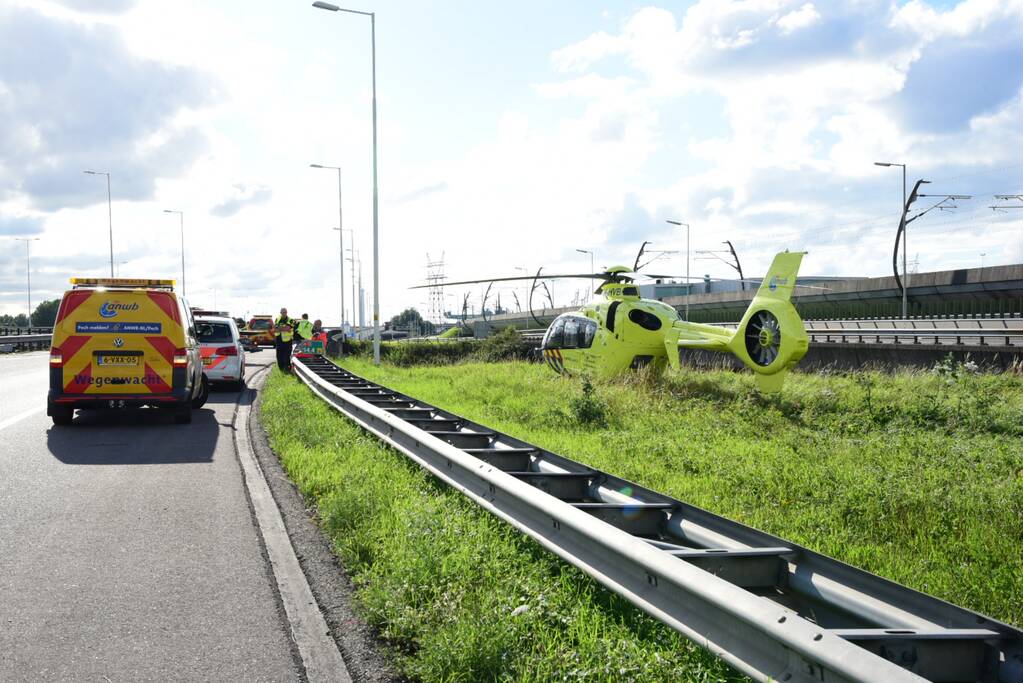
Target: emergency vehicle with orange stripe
x=124, y=343
x=220, y=347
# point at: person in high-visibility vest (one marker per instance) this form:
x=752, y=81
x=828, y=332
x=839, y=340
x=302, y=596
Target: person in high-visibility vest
x=304, y=329
x=283, y=331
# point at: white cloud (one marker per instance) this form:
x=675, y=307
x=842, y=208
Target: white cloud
x=805, y=16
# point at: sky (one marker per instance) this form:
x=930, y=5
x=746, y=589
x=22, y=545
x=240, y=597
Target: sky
x=510, y=136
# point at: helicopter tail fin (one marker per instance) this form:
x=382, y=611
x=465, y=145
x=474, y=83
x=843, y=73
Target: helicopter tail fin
x=771, y=337
x=780, y=279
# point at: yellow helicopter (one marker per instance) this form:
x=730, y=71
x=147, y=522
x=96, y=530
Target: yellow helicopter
x=626, y=331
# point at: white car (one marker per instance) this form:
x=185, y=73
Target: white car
x=220, y=346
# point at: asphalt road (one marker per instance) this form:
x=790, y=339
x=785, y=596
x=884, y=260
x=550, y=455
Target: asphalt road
x=127, y=546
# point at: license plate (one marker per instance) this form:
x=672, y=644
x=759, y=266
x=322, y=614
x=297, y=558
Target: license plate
x=114, y=360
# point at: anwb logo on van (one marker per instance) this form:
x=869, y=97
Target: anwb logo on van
x=109, y=309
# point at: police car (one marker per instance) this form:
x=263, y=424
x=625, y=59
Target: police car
x=221, y=348
x=124, y=343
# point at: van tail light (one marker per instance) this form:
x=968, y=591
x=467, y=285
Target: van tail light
x=180, y=358
x=227, y=351
x=56, y=359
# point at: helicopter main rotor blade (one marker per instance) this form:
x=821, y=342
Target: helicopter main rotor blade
x=592, y=276
x=752, y=281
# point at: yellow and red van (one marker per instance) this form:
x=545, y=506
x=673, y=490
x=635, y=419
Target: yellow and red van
x=121, y=343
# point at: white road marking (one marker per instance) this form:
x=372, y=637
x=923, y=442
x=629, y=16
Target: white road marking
x=21, y=416
x=320, y=656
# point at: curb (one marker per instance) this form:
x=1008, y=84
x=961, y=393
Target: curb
x=320, y=656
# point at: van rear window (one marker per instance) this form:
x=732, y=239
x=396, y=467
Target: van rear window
x=214, y=333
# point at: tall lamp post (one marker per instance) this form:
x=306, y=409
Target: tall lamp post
x=686, y=225
x=181, y=216
x=28, y=271
x=351, y=249
x=110, y=217
x=586, y=251
x=902, y=232
x=355, y=296
x=340, y=236
x=376, y=213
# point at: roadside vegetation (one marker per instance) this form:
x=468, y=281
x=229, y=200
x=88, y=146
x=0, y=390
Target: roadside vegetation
x=459, y=595
x=505, y=345
x=917, y=476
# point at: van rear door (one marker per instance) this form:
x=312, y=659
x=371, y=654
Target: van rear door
x=117, y=342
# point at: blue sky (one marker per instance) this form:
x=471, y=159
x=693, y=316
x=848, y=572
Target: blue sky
x=510, y=136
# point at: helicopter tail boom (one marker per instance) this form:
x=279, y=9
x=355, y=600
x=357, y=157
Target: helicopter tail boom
x=769, y=340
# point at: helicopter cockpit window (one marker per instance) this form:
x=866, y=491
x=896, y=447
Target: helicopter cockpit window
x=630, y=291
x=555, y=337
x=587, y=330
x=648, y=321
x=569, y=332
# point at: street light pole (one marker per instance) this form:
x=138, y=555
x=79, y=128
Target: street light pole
x=181, y=216
x=28, y=271
x=340, y=236
x=902, y=227
x=687, y=263
x=376, y=212
x=110, y=217
x=586, y=251
x=355, y=296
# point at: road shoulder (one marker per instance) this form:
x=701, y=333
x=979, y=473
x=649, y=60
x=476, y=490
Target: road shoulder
x=331, y=586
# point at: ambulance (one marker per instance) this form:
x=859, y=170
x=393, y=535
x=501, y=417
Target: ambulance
x=124, y=343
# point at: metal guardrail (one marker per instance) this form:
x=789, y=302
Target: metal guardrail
x=11, y=342
x=20, y=331
x=771, y=609
x=921, y=336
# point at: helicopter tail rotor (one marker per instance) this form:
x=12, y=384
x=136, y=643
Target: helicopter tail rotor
x=769, y=340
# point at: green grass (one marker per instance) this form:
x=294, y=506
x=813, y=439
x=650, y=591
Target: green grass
x=458, y=594
x=914, y=476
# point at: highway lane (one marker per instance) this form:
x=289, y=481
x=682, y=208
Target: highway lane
x=23, y=384
x=127, y=546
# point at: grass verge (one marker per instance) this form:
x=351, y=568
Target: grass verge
x=916, y=476
x=460, y=595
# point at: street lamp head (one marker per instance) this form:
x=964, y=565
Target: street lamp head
x=315, y=166
x=881, y=163
x=582, y=251
x=96, y=172
x=326, y=6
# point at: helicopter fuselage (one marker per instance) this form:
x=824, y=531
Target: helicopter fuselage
x=608, y=337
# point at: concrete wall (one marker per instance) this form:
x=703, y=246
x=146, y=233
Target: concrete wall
x=857, y=357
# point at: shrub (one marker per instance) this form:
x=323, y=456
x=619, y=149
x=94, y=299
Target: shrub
x=589, y=408
x=507, y=344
